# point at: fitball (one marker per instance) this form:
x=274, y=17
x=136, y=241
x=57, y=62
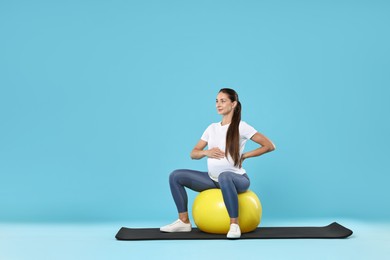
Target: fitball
x=210, y=214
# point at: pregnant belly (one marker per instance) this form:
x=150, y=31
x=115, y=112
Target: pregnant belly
x=216, y=166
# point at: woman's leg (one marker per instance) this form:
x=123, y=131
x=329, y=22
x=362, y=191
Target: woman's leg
x=231, y=185
x=194, y=180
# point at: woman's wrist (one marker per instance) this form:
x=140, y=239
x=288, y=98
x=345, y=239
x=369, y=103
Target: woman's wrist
x=196, y=154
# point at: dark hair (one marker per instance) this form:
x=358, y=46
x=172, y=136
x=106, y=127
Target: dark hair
x=233, y=133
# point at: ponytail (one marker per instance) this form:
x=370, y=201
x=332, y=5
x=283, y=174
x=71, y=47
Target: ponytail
x=233, y=133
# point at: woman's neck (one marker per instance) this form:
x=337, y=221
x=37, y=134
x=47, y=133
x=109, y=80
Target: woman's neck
x=227, y=119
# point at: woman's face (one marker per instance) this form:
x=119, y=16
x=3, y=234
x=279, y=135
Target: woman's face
x=223, y=104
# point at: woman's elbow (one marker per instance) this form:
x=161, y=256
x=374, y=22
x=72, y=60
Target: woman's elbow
x=193, y=155
x=271, y=147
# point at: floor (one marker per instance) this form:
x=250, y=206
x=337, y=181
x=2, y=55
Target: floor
x=371, y=240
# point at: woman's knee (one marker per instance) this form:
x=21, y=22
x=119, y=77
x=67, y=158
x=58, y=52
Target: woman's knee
x=240, y=182
x=177, y=175
x=225, y=177
x=174, y=175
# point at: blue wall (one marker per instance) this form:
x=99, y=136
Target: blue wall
x=101, y=100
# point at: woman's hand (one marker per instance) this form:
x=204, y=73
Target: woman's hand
x=198, y=152
x=241, y=160
x=215, y=153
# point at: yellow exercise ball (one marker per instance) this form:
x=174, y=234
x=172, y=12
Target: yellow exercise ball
x=210, y=214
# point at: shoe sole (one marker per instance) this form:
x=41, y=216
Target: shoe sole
x=174, y=231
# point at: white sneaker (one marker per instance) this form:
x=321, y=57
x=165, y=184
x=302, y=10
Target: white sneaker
x=234, y=232
x=177, y=226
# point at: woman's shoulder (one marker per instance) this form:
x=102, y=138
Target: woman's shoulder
x=246, y=130
x=215, y=124
x=212, y=125
x=244, y=124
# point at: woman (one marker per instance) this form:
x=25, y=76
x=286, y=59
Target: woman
x=226, y=141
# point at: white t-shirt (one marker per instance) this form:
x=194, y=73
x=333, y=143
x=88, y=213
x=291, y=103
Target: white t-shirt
x=215, y=136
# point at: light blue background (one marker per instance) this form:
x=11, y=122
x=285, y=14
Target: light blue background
x=101, y=100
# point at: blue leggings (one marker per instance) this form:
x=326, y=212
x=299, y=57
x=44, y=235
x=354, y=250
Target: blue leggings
x=230, y=184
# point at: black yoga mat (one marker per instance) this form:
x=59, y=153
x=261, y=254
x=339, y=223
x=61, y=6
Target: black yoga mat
x=333, y=230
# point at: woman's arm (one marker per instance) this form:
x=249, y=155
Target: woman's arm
x=265, y=146
x=198, y=152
